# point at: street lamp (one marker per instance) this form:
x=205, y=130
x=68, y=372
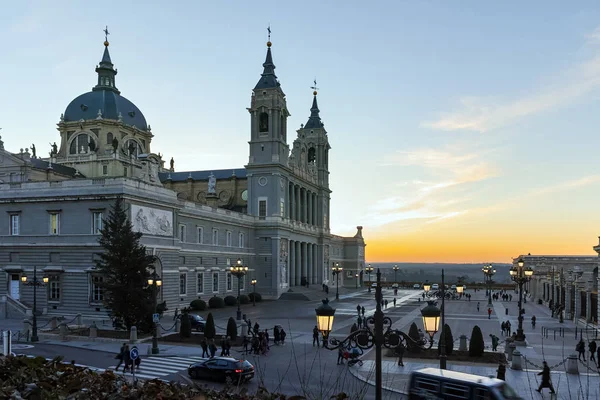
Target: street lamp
x=460, y=289
x=337, y=270
x=369, y=269
x=239, y=271
x=356, y=276
x=155, y=282
x=253, y=283
x=426, y=287
x=488, y=272
x=431, y=319
x=520, y=275
x=371, y=335
x=395, y=268
x=35, y=283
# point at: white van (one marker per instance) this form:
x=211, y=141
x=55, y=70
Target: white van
x=437, y=383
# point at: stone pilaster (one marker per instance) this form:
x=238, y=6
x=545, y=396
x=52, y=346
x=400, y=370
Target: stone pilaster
x=588, y=301
x=568, y=310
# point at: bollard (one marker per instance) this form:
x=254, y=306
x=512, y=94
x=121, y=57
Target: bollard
x=463, y=343
x=6, y=341
x=26, y=327
x=93, y=330
x=53, y=323
x=572, y=367
x=78, y=319
x=511, y=350
x=62, y=331
x=506, y=311
x=516, y=361
x=178, y=325
x=244, y=330
x=133, y=335
x=501, y=372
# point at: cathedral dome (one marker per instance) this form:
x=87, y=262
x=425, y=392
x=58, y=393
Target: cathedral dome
x=111, y=104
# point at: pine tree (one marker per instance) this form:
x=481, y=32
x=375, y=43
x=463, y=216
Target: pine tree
x=209, y=328
x=125, y=268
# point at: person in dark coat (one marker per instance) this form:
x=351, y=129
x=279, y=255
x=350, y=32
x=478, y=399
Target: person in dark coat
x=256, y=328
x=213, y=349
x=546, y=382
x=340, y=359
x=282, y=335
x=315, y=336
x=400, y=353
x=120, y=356
x=593, y=346
x=204, y=346
x=581, y=349
x=276, y=337
x=127, y=359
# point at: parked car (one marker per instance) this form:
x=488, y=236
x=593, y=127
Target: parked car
x=225, y=369
x=395, y=286
x=416, y=286
x=197, y=322
x=435, y=286
x=453, y=287
x=374, y=284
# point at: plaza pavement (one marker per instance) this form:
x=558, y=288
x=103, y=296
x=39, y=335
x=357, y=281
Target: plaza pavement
x=462, y=315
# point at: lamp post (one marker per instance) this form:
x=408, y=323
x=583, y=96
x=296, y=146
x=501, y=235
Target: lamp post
x=239, y=271
x=377, y=332
x=253, y=283
x=369, y=269
x=460, y=289
x=35, y=283
x=426, y=287
x=337, y=270
x=488, y=272
x=395, y=268
x=155, y=282
x=520, y=274
x=356, y=276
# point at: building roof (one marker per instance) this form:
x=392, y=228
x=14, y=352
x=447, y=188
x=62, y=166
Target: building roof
x=202, y=175
x=65, y=170
x=314, y=121
x=268, y=79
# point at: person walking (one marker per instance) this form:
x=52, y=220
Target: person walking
x=282, y=335
x=477, y=306
x=340, y=359
x=362, y=309
x=593, y=346
x=580, y=348
x=213, y=349
x=533, y=318
x=204, y=346
x=489, y=313
x=315, y=336
x=546, y=382
x=495, y=340
x=358, y=309
x=256, y=328
x=120, y=356
x=394, y=302
x=127, y=359
x=386, y=303
x=360, y=321
x=400, y=353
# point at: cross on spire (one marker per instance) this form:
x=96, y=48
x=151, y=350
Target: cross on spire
x=315, y=88
x=106, y=33
x=269, y=31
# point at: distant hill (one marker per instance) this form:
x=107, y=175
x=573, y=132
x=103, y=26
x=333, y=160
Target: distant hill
x=420, y=272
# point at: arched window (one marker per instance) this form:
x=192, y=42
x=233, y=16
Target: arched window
x=109, y=138
x=132, y=147
x=312, y=155
x=263, y=122
x=80, y=144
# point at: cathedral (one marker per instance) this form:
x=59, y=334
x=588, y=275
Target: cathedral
x=273, y=215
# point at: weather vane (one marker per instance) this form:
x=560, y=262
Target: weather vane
x=315, y=88
x=269, y=30
x=106, y=33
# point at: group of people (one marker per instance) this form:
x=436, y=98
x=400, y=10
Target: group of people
x=258, y=343
x=505, y=328
x=592, y=348
x=124, y=357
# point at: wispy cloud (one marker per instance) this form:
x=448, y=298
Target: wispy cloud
x=484, y=114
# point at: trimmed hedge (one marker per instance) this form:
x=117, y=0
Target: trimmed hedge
x=230, y=301
x=254, y=294
x=209, y=328
x=476, y=344
x=216, y=302
x=185, y=330
x=198, y=305
x=244, y=299
x=232, y=331
x=446, y=335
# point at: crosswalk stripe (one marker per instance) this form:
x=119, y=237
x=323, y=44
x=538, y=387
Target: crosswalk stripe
x=156, y=367
x=165, y=363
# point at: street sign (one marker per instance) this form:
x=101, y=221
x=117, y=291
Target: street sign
x=134, y=353
x=156, y=318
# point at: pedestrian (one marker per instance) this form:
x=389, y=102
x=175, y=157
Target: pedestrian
x=593, y=346
x=223, y=351
x=204, y=346
x=267, y=339
x=533, y=322
x=256, y=328
x=120, y=356
x=400, y=353
x=126, y=359
x=495, y=340
x=315, y=336
x=213, y=349
x=394, y=302
x=282, y=336
x=340, y=359
x=360, y=322
x=489, y=313
x=501, y=372
x=227, y=347
x=276, y=335
x=546, y=383
x=358, y=309
x=477, y=306
x=386, y=303
x=580, y=348
x=510, y=297
x=245, y=343
x=503, y=328
x=363, y=311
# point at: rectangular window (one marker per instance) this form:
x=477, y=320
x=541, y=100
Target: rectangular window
x=262, y=208
x=54, y=288
x=54, y=223
x=183, y=284
x=200, y=231
x=181, y=232
x=241, y=240
x=215, y=237
x=105, y=170
x=15, y=227
x=97, y=289
x=125, y=171
x=200, y=282
x=215, y=282
x=229, y=282
x=96, y=222
x=229, y=239
x=455, y=391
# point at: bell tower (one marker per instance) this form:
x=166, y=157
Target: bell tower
x=268, y=115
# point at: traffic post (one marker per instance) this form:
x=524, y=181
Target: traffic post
x=133, y=355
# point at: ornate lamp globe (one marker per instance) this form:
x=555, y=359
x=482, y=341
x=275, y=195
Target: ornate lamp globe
x=513, y=271
x=325, y=315
x=45, y=279
x=521, y=262
x=460, y=289
x=426, y=287
x=431, y=318
x=528, y=272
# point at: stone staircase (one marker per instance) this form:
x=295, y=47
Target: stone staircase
x=312, y=293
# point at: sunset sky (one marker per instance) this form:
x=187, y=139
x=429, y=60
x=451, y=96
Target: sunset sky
x=460, y=131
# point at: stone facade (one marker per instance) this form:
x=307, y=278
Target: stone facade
x=273, y=214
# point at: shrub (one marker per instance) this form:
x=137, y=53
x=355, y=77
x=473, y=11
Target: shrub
x=209, y=327
x=185, y=330
x=216, y=302
x=476, y=345
x=230, y=300
x=446, y=336
x=253, y=295
x=232, y=329
x=198, y=305
x=244, y=299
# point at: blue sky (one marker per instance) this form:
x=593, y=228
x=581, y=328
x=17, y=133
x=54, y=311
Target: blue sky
x=460, y=131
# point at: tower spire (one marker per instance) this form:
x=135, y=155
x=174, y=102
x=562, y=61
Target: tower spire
x=268, y=79
x=105, y=70
x=314, y=121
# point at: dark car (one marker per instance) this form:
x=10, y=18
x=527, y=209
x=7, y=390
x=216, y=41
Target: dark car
x=222, y=369
x=197, y=322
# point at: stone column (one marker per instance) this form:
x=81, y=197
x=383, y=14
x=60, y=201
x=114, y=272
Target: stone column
x=568, y=310
x=298, y=265
x=310, y=210
x=304, y=206
x=290, y=200
x=309, y=260
x=304, y=261
x=588, y=301
x=577, y=302
x=316, y=264
x=598, y=300
x=292, y=270
x=298, y=205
